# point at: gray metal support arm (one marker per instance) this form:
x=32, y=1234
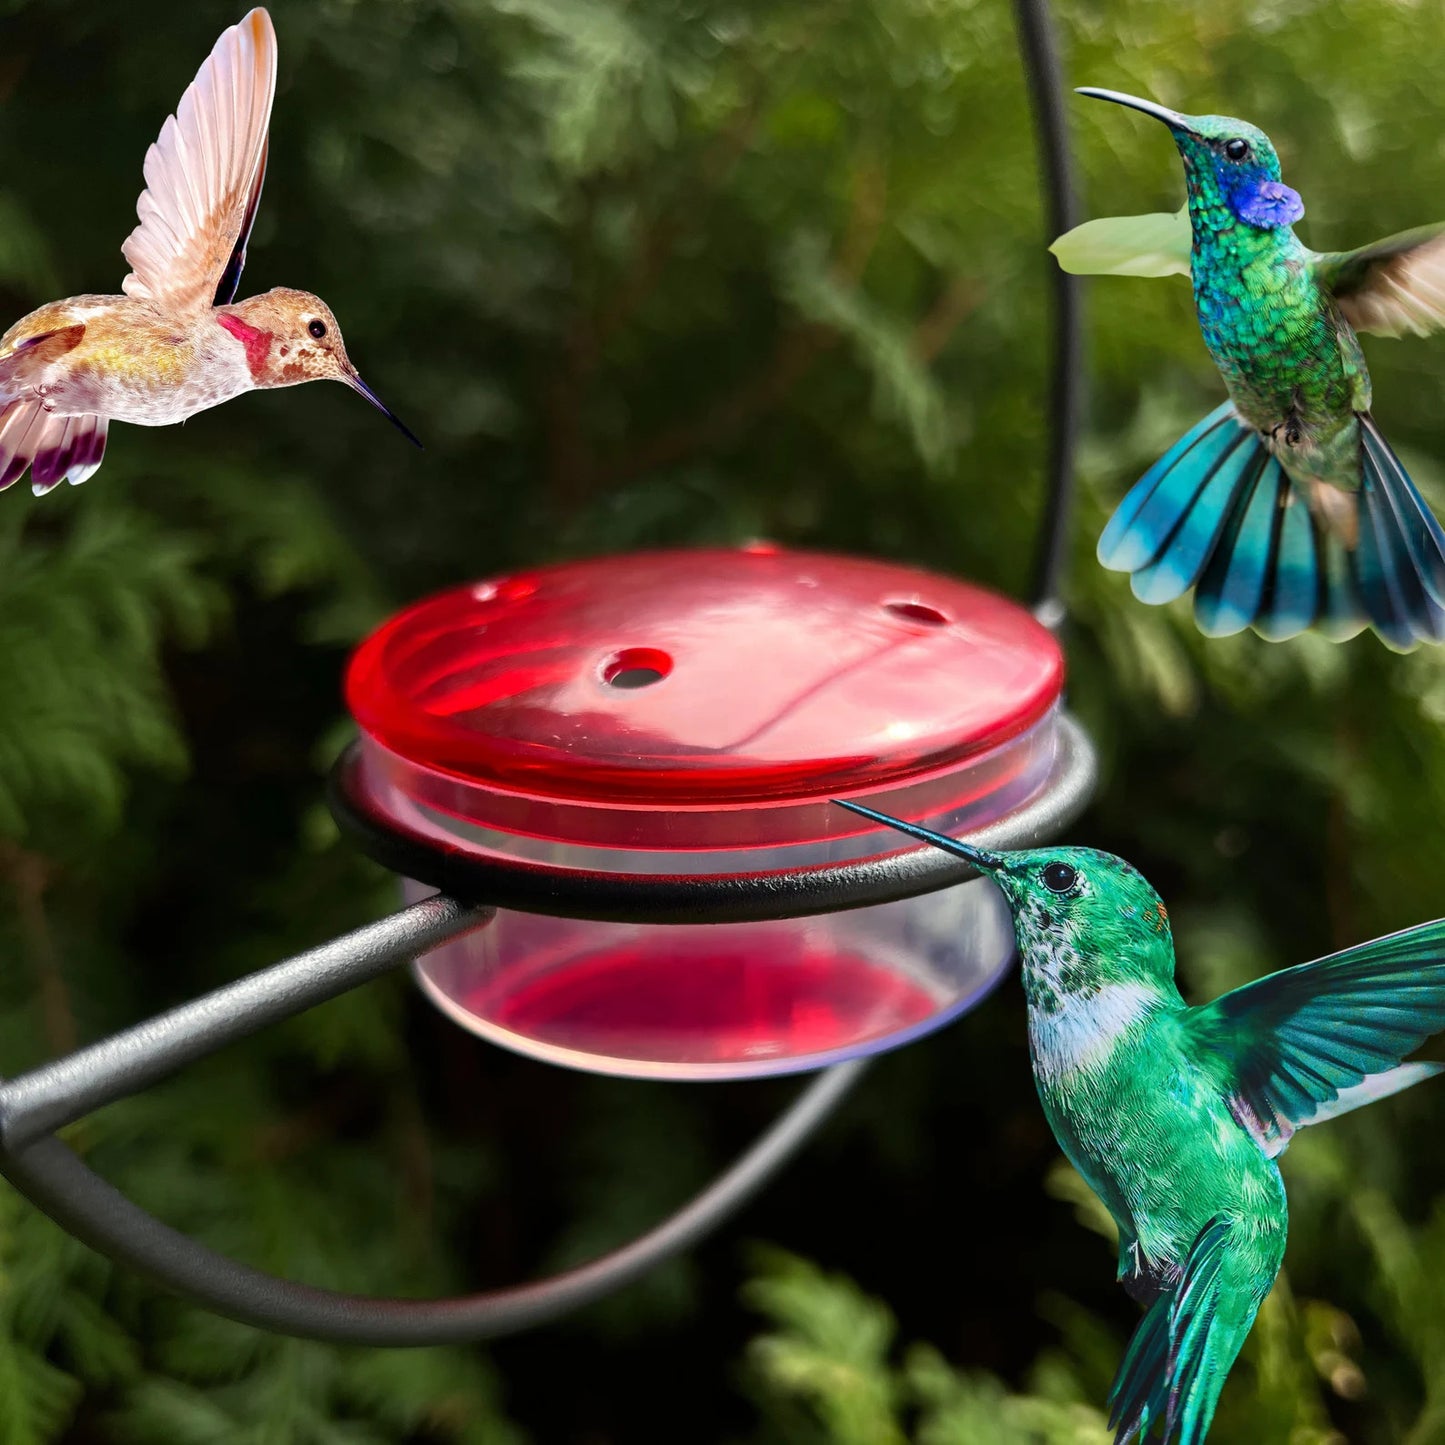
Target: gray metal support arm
x=53, y=1177
x=38, y=1103
x=56, y=1180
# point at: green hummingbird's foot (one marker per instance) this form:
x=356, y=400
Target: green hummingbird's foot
x=1142, y=1281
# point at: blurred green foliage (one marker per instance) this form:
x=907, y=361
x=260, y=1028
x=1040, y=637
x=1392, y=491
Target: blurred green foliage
x=671, y=271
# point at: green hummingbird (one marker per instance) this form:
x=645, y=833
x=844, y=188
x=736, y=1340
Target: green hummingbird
x=1175, y=1115
x=1285, y=508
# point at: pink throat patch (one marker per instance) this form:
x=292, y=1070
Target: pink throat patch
x=256, y=342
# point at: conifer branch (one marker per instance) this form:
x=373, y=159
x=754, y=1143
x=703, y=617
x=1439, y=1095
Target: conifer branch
x=298, y=1133
x=30, y=876
x=1341, y=846
x=661, y=234
x=570, y=469
x=955, y=304
x=418, y=1171
x=797, y=349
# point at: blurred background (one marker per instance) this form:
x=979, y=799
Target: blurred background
x=666, y=272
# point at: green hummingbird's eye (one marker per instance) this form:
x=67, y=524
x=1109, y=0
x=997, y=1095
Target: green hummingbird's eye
x=1237, y=150
x=1059, y=877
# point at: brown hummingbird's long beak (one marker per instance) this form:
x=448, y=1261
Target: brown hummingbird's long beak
x=357, y=384
x=1171, y=118
x=981, y=859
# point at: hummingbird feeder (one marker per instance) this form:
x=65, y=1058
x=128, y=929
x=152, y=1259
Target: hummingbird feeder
x=607, y=787
x=636, y=755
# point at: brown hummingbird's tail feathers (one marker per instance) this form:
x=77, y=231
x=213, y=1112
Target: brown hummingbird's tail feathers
x=55, y=448
x=70, y=450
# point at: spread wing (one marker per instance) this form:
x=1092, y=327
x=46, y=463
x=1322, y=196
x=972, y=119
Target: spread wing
x=1394, y=287
x=1154, y=245
x=204, y=174
x=1311, y=1043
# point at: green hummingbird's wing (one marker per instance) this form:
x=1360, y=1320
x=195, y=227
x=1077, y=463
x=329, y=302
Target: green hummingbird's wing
x=1392, y=287
x=1309, y=1043
x=1153, y=245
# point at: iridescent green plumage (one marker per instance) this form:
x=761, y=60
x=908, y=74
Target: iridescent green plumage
x=1175, y=1115
x=1286, y=509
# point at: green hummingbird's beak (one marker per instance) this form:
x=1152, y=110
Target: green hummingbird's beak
x=357, y=384
x=1171, y=118
x=981, y=859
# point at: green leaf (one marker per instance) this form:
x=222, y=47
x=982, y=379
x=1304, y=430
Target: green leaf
x=1155, y=245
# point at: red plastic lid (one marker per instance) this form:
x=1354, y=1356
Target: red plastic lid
x=690, y=678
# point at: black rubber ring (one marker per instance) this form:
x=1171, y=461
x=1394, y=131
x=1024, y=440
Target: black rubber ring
x=703, y=898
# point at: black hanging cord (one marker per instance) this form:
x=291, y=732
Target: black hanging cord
x=1048, y=98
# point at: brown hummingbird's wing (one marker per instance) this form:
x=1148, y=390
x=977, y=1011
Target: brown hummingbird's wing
x=1394, y=287
x=19, y=364
x=203, y=176
x=230, y=281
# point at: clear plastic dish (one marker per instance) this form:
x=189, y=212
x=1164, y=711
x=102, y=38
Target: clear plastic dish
x=690, y=714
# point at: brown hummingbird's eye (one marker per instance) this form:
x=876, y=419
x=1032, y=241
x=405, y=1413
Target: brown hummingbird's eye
x=1059, y=877
x=1236, y=150
x=317, y=329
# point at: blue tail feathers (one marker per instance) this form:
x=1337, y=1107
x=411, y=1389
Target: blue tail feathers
x=1218, y=513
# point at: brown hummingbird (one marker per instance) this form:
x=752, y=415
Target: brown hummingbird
x=177, y=341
